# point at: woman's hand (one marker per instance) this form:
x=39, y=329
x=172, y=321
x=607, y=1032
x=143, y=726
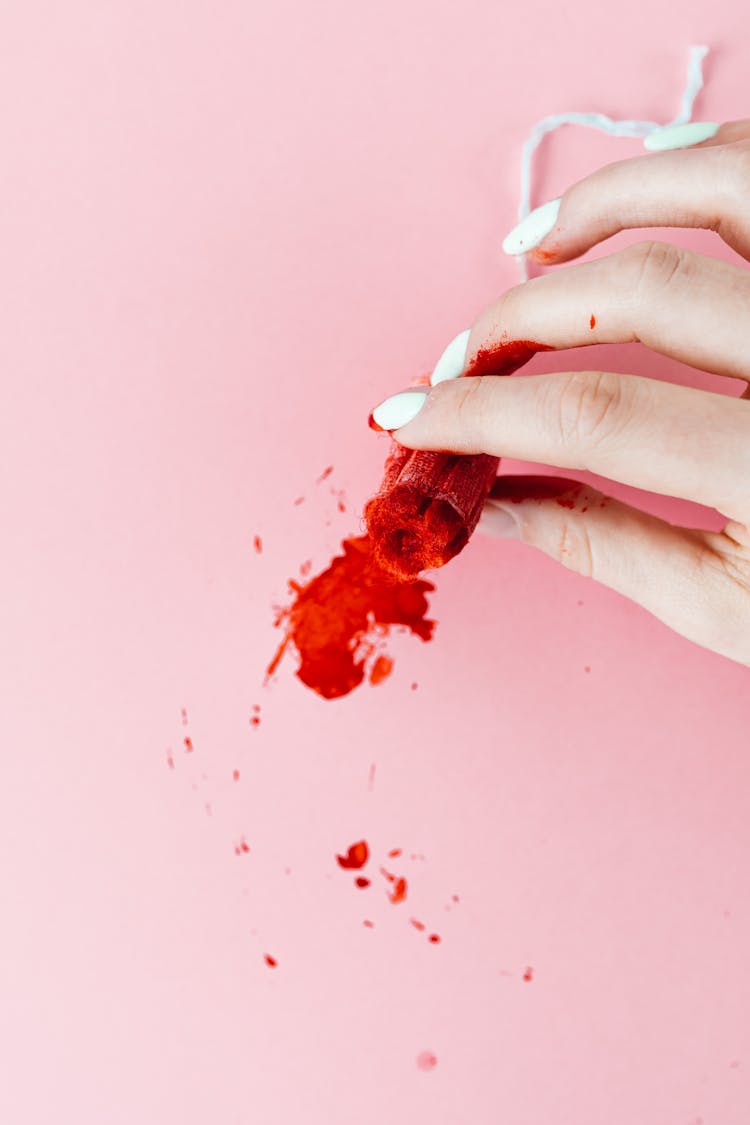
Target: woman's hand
x=670, y=439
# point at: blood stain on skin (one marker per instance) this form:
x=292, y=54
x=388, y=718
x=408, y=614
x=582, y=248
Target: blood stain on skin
x=528, y=974
x=362, y=882
x=255, y=717
x=258, y=544
x=381, y=670
x=270, y=961
x=356, y=856
x=592, y=322
x=242, y=848
x=183, y=716
x=426, y=1060
x=414, y=687
x=298, y=501
x=334, y=619
x=371, y=778
x=587, y=667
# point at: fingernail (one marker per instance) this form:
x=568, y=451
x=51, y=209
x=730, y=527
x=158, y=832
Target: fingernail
x=533, y=229
x=399, y=409
x=680, y=136
x=451, y=363
x=498, y=521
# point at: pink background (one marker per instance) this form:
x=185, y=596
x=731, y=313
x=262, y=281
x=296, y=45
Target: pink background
x=227, y=231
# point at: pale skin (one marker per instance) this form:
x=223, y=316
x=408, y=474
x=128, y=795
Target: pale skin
x=665, y=438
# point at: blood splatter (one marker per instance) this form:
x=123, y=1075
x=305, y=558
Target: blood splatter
x=334, y=619
x=258, y=544
x=370, y=925
x=362, y=882
x=270, y=961
x=381, y=669
x=398, y=893
x=394, y=852
x=235, y=775
x=426, y=1060
x=587, y=667
x=305, y=568
x=183, y=716
x=455, y=898
x=414, y=687
x=188, y=745
x=416, y=924
x=434, y=938
x=298, y=501
x=170, y=760
x=356, y=856
x=592, y=322
x=255, y=717
x=325, y=474
x=528, y=974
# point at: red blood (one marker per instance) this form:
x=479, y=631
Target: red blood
x=325, y=474
x=256, y=707
x=592, y=322
x=333, y=617
x=399, y=891
x=270, y=961
x=434, y=938
x=356, y=856
x=394, y=852
x=417, y=925
x=362, y=882
x=341, y=506
x=529, y=974
x=170, y=761
x=381, y=670
x=388, y=876
x=236, y=775
x=188, y=745
x=504, y=357
x=258, y=544
x=370, y=925
x=298, y=501
x=371, y=779
x=587, y=667
x=255, y=720
x=414, y=687
x=305, y=568
x=183, y=715
x=426, y=1060
x=517, y=489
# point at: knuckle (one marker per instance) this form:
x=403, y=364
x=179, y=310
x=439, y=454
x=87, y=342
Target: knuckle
x=655, y=266
x=589, y=408
x=472, y=407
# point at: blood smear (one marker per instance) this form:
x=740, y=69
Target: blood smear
x=362, y=882
x=189, y=745
x=426, y=1060
x=336, y=618
x=270, y=961
x=381, y=670
x=399, y=891
x=236, y=775
x=529, y=974
x=434, y=938
x=258, y=544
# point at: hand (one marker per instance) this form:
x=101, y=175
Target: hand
x=675, y=440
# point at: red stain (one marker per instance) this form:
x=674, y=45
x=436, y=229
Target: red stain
x=298, y=501
x=455, y=898
x=325, y=474
x=504, y=357
x=381, y=670
x=371, y=778
x=362, y=882
x=235, y=775
x=183, y=716
x=434, y=938
x=356, y=856
x=394, y=852
x=370, y=925
x=426, y=1060
x=242, y=847
x=258, y=544
x=417, y=925
x=270, y=961
x=170, y=760
x=529, y=974
x=592, y=322
x=335, y=618
x=188, y=745
x=399, y=891
x=414, y=687
x=255, y=720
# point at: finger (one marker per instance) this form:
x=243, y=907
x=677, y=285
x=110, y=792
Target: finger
x=704, y=186
x=685, y=305
x=686, y=578
x=657, y=436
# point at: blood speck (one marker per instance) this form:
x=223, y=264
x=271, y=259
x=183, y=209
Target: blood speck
x=241, y=847
x=426, y=1060
x=394, y=852
x=416, y=924
x=371, y=778
x=579, y=602
x=381, y=669
x=587, y=667
x=434, y=938
x=341, y=506
x=370, y=925
x=258, y=544
x=362, y=882
x=298, y=501
x=189, y=745
x=356, y=856
x=529, y=974
x=592, y=322
x=270, y=961
x=255, y=720
x=183, y=716
x=306, y=567
x=256, y=708
x=244, y=847
x=170, y=761
x=455, y=898
x=399, y=891
x=325, y=474
x=235, y=775
x=414, y=687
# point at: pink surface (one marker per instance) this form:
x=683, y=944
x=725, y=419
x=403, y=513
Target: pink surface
x=227, y=232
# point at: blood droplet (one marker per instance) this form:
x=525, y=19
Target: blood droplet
x=362, y=882
x=417, y=925
x=170, y=760
x=592, y=322
x=270, y=961
x=381, y=670
x=356, y=856
x=529, y=974
x=399, y=891
x=434, y=938
x=325, y=474
x=258, y=544
x=188, y=745
x=426, y=1060
x=370, y=925
x=394, y=852
x=235, y=775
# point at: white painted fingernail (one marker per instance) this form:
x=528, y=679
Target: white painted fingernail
x=531, y=230
x=399, y=409
x=451, y=363
x=680, y=136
